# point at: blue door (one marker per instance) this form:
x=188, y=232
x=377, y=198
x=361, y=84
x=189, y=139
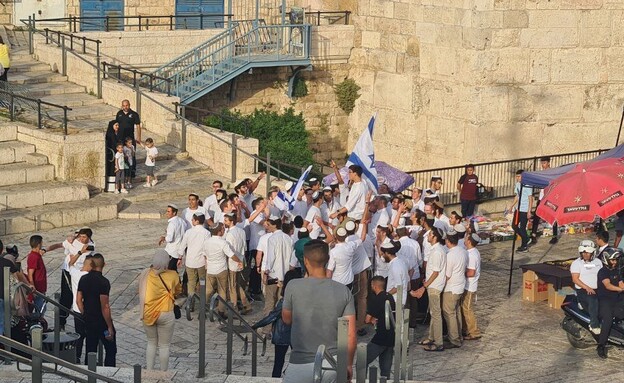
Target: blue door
x=95, y=12
x=188, y=11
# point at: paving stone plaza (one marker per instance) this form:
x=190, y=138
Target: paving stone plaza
x=521, y=341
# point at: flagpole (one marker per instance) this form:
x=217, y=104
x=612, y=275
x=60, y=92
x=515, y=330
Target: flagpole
x=617, y=140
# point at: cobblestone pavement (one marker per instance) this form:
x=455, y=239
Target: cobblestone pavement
x=521, y=341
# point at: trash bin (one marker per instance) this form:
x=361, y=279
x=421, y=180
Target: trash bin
x=67, y=345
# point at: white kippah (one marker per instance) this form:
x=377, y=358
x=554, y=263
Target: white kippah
x=350, y=225
x=459, y=228
x=341, y=232
x=173, y=206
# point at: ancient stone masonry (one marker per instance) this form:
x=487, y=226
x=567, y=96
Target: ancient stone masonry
x=480, y=80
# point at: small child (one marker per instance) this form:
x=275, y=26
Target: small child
x=120, y=167
x=129, y=153
x=150, y=162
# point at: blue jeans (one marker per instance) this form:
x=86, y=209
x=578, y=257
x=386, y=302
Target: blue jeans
x=591, y=305
x=40, y=305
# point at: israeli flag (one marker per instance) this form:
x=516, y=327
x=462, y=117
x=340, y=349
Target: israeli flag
x=285, y=200
x=364, y=156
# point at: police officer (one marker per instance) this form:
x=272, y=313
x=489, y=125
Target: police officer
x=610, y=286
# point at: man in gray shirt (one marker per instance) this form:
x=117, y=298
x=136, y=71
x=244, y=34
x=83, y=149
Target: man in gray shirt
x=312, y=307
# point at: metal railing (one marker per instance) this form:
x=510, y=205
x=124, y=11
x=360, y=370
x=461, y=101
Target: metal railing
x=201, y=113
x=80, y=40
x=499, y=175
x=15, y=103
x=332, y=17
x=139, y=22
x=135, y=77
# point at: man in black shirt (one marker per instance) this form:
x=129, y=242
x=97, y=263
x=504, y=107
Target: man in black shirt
x=609, y=288
x=128, y=119
x=93, y=303
x=382, y=344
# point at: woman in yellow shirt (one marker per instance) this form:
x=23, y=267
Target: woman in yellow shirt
x=4, y=59
x=156, y=306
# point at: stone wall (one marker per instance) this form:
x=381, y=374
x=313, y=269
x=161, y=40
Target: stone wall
x=480, y=80
x=266, y=88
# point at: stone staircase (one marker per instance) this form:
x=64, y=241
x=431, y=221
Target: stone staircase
x=32, y=199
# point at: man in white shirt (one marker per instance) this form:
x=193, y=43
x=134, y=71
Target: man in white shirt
x=440, y=217
x=218, y=252
x=411, y=254
x=330, y=205
x=355, y=204
x=456, y=260
x=314, y=211
x=245, y=188
x=210, y=203
x=79, y=325
x=235, y=236
x=256, y=230
x=76, y=250
x=275, y=264
x=300, y=207
x=435, y=280
x=418, y=203
x=339, y=267
x=473, y=271
x=360, y=265
x=194, y=242
x=193, y=207
x=176, y=227
x=398, y=274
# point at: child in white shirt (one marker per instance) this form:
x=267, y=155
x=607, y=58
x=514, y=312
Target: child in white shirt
x=120, y=167
x=150, y=162
x=129, y=153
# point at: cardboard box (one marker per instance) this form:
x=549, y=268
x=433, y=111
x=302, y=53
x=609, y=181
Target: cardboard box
x=556, y=297
x=533, y=289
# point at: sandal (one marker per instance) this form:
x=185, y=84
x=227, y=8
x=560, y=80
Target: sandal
x=425, y=342
x=433, y=347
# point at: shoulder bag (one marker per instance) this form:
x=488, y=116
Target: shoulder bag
x=177, y=312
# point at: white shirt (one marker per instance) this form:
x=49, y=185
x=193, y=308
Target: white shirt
x=380, y=217
x=150, y=152
x=247, y=199
x=235, y=236
x=361, y=261
x=418, y=205
x=398, y=276
x=442, y=222
x=217, y=253
x=187, y=214
x=381, y=267
x=314, y=212
x=474, y=263
x=72, y=248
x=341, y=261
x=75, y=275
x=175, y=232
x=277, y=257
x=263, y=243
x=329, y=208
x=456, y=260
x=410, y=254
x=300, y=208
x=194, y=242
x=436, y=262
x=588, y=271
x=210, y=203
x=256, y=230
x=426, y=246
x=356, y=203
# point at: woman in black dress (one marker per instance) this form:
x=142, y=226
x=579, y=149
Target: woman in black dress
x=113, y=136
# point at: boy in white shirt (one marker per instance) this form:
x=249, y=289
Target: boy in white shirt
x=120, y=168
x=150, y=162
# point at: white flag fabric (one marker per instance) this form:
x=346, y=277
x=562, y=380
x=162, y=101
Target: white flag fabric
x=363, y=155
x=291, y=195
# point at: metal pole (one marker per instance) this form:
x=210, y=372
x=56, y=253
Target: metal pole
x=513, y=244
x=39, y=123
x=283, y=12
x=57, y=326
x=398, y=329
x=617, y=140
x=268, y=173
x=202, y=329
x=137, y=88
x=372, y=376
x=99, y=77
x=257, y=12
x=229, y=11
x=341, y=355
x=36, y=335
x=12, y=116
x=64, y=57
x=230, y=338
x=92, y=366
x=360, y=364
x=183, y=138
x=137, y=373
x=404, y=343
x=254, y=353
x=65, y=119
x=7, y=297
x=100, y=354
x=31, y=26
x=233, y=157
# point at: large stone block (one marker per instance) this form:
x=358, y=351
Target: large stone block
x=23, y=224
x=596, y=37
x=391, y=90
x=8, y=132
x=576, y=65
x=515, y=19
x=555, y=103
x=540, y=19
x=503, y=38
x=615, y=64
x=549, y=37
x=539, y=66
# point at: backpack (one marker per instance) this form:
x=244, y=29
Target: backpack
x=21, y=306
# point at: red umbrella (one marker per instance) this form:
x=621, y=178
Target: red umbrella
x=591, y=189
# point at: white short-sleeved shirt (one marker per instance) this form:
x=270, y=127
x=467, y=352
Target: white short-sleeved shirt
x=398, y=276
x=75, y=275
x=263, y=243
x=153, y=153
x=437, y=262
x=176, y=227
x=360, y=258
x=456, y=261
x=193, y=242
x=188, y=213
x=588, y=272
x=474, y=263
x=356, y=202
x=235, y=236
x=218, y=252
x=256, y=230
x=426, y=246
x=381, y=267
x=411, y=255
x=313, y=212
x=380, y=217
x=341, y=259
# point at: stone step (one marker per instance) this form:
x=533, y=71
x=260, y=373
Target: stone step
x=22, y=173
x=73, y=100
x=19, y=67
x=165, y=152
x=41, y=193
x=41, y=90
x=46, y=217
x=36, y=77
x=99, y=112
x=8, y=133
x=14, y=151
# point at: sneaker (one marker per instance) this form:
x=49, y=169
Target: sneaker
x=530, y=242
x=154, y=182
x=124, y=191
x=116, y=191
x=147, y=185
x=553, y=240
x=129, y=186
x=522, y=249
x=602, y=352
x=595, y=331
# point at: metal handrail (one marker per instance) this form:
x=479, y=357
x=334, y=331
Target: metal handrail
x=49, y=33
x=28, y=362
x=389, y=318
x=327, y=14
x=322, y=355
x=52, y=359
x=106, y=69
x=11, y=106
x=142, y=20
x=213, y=305
x=53, y=302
